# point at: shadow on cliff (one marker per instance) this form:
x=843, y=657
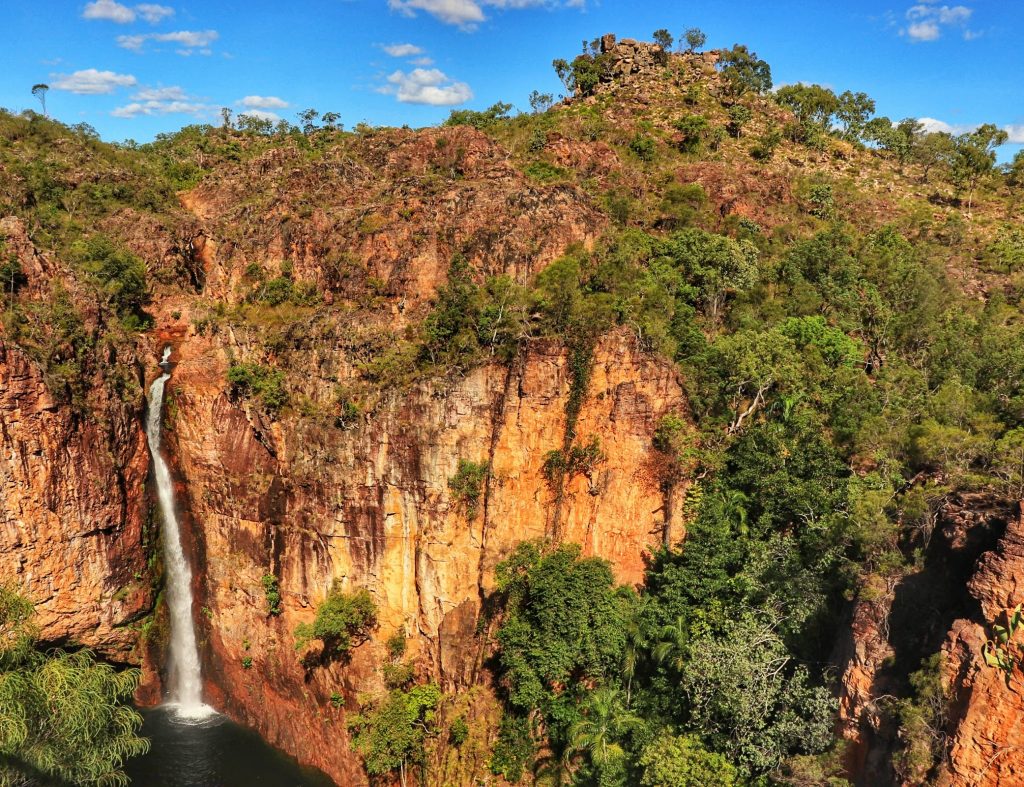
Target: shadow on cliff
x=924, y=608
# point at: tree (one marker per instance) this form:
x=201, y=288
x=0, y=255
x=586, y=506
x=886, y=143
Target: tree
x=225, y=116
x=853, y=112
x=343, y=621
x=663, y=38
x=1015, y=178
x=564, y=72
x=975, y=157
x=120, y=275
x=744, y=71
x=695, y=39
x=11, y=277
x=307, y=118
x=673, y=644
x=744, y=694
x=934, y=150
x=600, y=733
x=565, y=621
x=899, y=139
x=681, y=761
x=541, y=102
x=252, y=124
x=739, y=116
x=63, y=716
x=330, y=120
x=813, y=106
x=389, y=733
x=39, y=91
x=716, y=265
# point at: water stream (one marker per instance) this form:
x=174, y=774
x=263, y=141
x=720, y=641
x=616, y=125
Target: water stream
x=185, y=685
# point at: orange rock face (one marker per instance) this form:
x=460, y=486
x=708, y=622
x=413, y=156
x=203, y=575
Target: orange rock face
x=72, y=505
x=987, y=744
x=370, y=507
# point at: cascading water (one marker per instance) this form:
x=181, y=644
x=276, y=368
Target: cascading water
x=186, y=685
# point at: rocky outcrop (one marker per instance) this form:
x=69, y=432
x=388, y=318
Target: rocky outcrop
x=987, y=727
x=970, y=578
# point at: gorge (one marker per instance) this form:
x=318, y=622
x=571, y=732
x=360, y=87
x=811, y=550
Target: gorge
x=668, y=428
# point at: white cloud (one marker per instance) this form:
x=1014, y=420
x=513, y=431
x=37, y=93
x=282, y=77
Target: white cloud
x=92, y=82
x=153, y=13
x=467, y=14
x=932, y=124
x=426, y=86
x=190, y=41
x=161, y=108
x=923, y=31
x=260, y=114
x=161, y=94
x=262, y=102
x=1014, y=131
x=109, y=10
x=943, y=14
x=402, y=50
x=133, y=43
x=464, y=13
x=422, y=61
x=171, y=100
x=115, y=12
x=927, y=19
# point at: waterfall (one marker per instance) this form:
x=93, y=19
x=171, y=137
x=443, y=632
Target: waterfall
x=186, y=685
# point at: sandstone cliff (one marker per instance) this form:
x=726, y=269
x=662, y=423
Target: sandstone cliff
x=75, y=533
x=371, y=507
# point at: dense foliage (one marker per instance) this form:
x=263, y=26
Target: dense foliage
x=63, y=716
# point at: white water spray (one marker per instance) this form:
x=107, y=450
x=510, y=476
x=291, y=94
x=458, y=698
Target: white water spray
x=186, y=684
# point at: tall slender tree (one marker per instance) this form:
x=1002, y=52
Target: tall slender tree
x=40, y=90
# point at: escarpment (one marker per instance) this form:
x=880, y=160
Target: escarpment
x=667, y=317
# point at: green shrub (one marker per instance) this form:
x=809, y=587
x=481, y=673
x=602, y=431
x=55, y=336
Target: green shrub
x=681, y=761
x=396, y=645
x=458, y=732
x=121, y=276
x=544, y=172
x=272, y=593
x=390, y=732
x=342, y=621
x=1005, y=254
x=693, y=129
x=64, y=717
x=397, y=676
x=643, y=147
x=251, y=379
x=514, y=750
x=468, y=484
x=479, y=120
x=764, y=148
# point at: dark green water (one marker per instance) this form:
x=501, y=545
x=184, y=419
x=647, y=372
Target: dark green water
x=215, y=752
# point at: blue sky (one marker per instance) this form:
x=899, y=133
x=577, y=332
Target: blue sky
x=133, y=70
